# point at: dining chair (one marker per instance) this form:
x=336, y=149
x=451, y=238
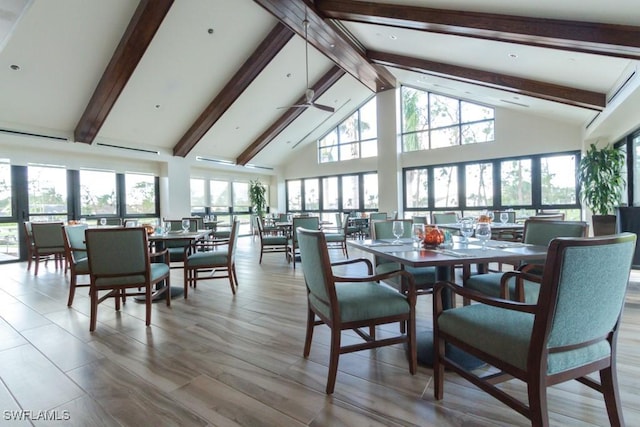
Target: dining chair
x=444, y=218
x=48, y=243
x=569, y=333
x=176, y=247
x=338, y=238
x=310, y=223
x=419, y=219
x=352, y=303
x=120, y=265
x=114, y=221
x=536, y=232
x=31, y=252
x=424, y=277
x=195, y=222
x=270, y=242
x=200, y=257
x=76, y=253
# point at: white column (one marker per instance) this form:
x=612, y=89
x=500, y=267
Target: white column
x=389, y=169
x=175, y=193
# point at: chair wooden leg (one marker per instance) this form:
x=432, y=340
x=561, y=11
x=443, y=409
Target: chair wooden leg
x=186, y=281
x=230, y=273
x=311, y=317
x=609, y=381
x=72, y=289
x=235, y=275
x=333, y=359
x=93, y=319
x=438, y=367
x=167, y=290
x=413, y=345
x=147, y=302
x=538, y=403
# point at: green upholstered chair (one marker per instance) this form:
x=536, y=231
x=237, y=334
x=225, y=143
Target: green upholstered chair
x=444, y=218
x=373, y=216
x=344, y=303
x=338, y=238
x=214, y=257
x=114, y=221
x=536, y=232
x=47, y=243
x=120, y=265
x=424, y=277
x=419, y=219
x=176, y=247
x=569, y=333
x=76, y=253
x=270, y=242
x=31, y=251
x=310, y=223
x=342, y=220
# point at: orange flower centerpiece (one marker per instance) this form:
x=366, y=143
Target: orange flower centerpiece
x=433, y=237
x=484, y=218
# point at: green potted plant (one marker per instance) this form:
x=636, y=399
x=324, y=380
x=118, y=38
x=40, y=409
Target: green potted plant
x=257, y=197
x=601, y=184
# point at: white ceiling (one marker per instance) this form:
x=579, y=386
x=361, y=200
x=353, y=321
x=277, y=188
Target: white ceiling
x=62, y=48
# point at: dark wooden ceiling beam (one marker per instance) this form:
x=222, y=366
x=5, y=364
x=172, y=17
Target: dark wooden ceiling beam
x=143, y=26
x=327, y=39
x=589, y=37
x=551, y=92
x=325, y=82
x=277, y=38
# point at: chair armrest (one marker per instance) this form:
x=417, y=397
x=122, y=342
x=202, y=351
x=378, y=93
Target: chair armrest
x=526, y=268
x=411, y=293
x=164, y=253
x=204, y=244
x=520, y=276
x=355, y=261
x=480, y=297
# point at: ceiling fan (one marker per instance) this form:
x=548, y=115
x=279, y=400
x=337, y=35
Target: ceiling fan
x=309, y=93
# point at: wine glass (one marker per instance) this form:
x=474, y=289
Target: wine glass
x=466, y=229
x=397, y=230
x=504, y=217
x=483, y=232
x=185, y=225
x=417, y=234
x=103, y=221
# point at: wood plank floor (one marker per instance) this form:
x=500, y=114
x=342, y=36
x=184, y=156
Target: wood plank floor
x=220, y=360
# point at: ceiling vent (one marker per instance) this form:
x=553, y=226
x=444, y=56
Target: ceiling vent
x=617, y=91
x=34, y=135
x=139, y=150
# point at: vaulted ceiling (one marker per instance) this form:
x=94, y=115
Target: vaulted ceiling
x=209, y=78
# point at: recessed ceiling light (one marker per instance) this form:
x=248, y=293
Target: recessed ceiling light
x=211, y=31
x=237, y=127
x=14, y=67
x=157, y=106
x=332, y=45
x=513, y=55
x=393, y=37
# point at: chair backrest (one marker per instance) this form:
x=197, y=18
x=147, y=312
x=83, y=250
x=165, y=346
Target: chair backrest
x=384, y=229
x=339, y=221
x=510, y=214
x=549, y=216
x=195, y=223
x=444, y=218
x=419, y=219
x=233, y=238
x=74, y=242
x=130, y=223
x=116, y=252
x=537, y=232
x=47, y=234
x=376, y=216
x=283, y=217
x=583, y=290
x=316, y=268
x=308, y=222
x=176, y=224
x=114, y=221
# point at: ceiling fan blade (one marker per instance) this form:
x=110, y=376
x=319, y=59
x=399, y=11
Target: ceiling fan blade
x=324, y=107
x=294, y=106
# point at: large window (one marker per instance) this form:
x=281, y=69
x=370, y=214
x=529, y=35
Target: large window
x=219, y=196
x=528, y=184
x=433, y=121
x=140, y=194
x=98, y=193
x=558, y=174
x=5, y=189
x=354, y=138
x=330, y=194
x=198, y=195
x=241, y=201
x=515, y=179
x=47, y=193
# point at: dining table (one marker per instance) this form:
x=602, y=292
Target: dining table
x=457, y=253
